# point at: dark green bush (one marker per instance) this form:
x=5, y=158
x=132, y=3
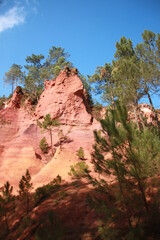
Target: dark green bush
x=78, y=170
x=43, y=145
x=80, y=153
x=45, y=191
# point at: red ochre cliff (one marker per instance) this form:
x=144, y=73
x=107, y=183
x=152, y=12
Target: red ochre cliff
x=63, y=98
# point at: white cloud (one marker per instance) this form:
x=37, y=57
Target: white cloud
x=11, y=18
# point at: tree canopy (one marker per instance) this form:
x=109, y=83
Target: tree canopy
x=14, y=75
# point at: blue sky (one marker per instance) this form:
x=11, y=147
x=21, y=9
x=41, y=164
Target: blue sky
x=87, y=29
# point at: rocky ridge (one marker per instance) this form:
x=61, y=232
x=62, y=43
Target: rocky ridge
x=64, y=99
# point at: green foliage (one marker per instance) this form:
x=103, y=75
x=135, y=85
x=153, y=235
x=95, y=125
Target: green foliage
x=45, y=191
x=25, y=184
x=139, y=148
x=103, y=83
x=43, y=145
x=126, y=76
x=124, y=48
x=47, y=124
x=78, y=170
x=149, y=63
x=134, y=73
x=148, y=54
x=14, y=75
x=87, y=92
x=6, y=198
x=34, y=60
x=131, y=156
x=7, y=192
x=146, y=145
x=33, y=81
x=25, y=187
x=56, y=61
x=80, y=153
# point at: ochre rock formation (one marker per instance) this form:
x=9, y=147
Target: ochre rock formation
x=15, y=101
x=64, y=99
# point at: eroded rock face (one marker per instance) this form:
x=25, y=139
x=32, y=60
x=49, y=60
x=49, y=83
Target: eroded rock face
x=15, y=101
x=64, y=99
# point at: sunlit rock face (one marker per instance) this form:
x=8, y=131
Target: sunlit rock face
x=64, y=99
x=15, y=101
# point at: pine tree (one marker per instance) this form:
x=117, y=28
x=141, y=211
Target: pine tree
x=6, y=198
x=14, y=75
x=103, y=83
x=25, y=187
x=34, y=82
x=56, y=61
x=128, y=154
x=48, y=124
x=149, y=58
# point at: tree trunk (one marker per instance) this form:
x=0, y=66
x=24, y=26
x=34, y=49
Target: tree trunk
x=12, y=87
x=138, y=179
x=15, y=82
x=51, y=141
x=6, y=220
x=148, y=95
x=121, y=191
x=143, y=194
x=140, y=184
x=27, y=203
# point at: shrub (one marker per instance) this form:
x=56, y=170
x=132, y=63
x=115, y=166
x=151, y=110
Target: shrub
x=56, y=181
x=133, y=157
x=80, y=153
x=42, y=193
x=43, y=145
x=78, y=170
x=46, y=190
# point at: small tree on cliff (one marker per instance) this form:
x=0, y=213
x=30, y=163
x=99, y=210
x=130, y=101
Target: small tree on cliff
x=48, y=124
x=25, y=186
